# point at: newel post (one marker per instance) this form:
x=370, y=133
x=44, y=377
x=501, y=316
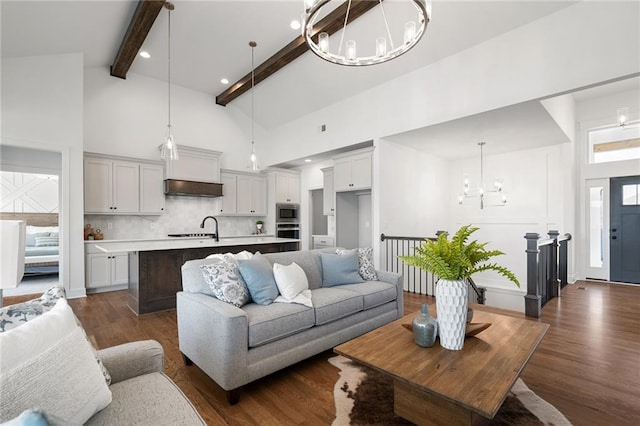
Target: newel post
x=532, y=300
x=553, y=276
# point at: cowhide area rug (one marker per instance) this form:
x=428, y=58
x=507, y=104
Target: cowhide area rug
x=365, y=397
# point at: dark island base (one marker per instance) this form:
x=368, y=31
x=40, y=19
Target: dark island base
x=155, y=276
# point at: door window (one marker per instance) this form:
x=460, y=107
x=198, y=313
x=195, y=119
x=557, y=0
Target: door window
x=630, y=195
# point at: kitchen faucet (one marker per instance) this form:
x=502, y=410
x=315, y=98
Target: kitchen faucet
x=215, y=220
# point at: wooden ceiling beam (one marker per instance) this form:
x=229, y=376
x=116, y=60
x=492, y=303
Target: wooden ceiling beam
x=143, y=18
x=330, y=24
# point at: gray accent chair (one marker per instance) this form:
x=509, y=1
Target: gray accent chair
x=235, y=346
x=141, y=393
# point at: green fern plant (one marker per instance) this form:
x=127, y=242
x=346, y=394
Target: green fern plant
x=455, y=259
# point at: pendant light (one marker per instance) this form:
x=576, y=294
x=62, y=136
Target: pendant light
x=169, y=148
x=253, y=157
x=499, y=198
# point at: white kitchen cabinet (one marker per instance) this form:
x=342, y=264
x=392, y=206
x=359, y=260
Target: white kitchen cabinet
x=195, y=164
x=106, y=270
x=117, y=186
x=111, y=186
x=352, y=172
x=287, y=188
x=328, y=193
x=151, y=189
x=245, y=194
x=229, y=193
x=323, y=241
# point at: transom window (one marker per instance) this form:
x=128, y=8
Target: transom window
x=614, y=144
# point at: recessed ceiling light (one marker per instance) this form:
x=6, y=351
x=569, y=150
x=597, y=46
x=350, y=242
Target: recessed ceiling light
x=308, y=160
x=295, y=24
x=145, y=54
x=224, y=81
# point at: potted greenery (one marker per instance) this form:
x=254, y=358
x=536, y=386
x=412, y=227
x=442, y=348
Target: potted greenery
x=453, y=261
x=259, y=224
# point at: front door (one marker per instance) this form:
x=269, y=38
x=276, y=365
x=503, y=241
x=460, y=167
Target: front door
x=625, y=229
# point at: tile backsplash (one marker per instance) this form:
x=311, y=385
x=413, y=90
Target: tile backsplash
x=182, y=215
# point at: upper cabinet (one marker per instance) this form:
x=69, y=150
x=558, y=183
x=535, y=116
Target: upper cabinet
x=287, y=187
x=352, y=171
x=117, y=186
x=244, y=194
x=328, y=192
x=229, y=190
x=151, y=189
x=111, y=186
x=195, y=164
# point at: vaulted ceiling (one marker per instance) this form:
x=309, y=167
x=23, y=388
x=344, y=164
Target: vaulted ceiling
x=210, y=41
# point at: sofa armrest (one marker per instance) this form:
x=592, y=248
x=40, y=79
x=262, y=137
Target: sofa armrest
x=132, y=359
x=215, y=336
x=397, y=280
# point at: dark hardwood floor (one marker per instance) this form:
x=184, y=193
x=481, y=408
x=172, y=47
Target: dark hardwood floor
x=588, y=364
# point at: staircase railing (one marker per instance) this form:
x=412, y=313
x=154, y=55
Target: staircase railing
x=415, y=279
x=547, y=269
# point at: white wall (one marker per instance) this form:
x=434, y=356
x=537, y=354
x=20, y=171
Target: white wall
x=411, y=191
x=42, y=108
x=541, y=194
x=556, y=54
x=129, y=118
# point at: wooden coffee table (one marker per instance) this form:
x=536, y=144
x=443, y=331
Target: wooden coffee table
x=436, y=386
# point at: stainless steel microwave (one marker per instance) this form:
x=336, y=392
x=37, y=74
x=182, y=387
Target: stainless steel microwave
x=287, y=212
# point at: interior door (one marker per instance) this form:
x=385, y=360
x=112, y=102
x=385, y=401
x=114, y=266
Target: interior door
x=625, y=229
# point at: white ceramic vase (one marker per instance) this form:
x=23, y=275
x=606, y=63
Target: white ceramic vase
x=452, y=302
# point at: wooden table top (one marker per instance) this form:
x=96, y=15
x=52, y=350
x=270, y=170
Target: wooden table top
x=477, y=377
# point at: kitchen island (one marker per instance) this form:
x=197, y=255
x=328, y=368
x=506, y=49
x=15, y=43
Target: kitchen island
x=155, y=265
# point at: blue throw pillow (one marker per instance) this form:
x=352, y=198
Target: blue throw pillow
x=338, y=269
x=29, y=418
x=258, y=276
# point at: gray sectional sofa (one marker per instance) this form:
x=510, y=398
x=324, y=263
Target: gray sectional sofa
x=236, y=346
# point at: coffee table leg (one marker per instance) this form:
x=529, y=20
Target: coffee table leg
x=425, y=408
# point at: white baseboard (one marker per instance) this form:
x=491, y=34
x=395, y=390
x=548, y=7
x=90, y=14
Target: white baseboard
x=74, y=294
x=505, y=298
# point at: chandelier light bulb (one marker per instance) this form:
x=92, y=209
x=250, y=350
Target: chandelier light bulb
x=409, y=32
x=351, y=50
x=323, y=42
x=381, y=46
x=623, y=116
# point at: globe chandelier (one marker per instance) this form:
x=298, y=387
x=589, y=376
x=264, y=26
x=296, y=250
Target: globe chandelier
x=346, y=52
x=497, y=196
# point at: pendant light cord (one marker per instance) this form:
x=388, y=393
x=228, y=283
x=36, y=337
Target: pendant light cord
x=169, y=69
x=252, y=94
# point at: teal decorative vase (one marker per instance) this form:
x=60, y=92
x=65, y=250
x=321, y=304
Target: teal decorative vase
x=425, y=328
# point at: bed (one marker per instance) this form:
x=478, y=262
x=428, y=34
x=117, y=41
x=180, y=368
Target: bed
x=42, y=251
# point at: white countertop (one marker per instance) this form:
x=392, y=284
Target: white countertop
x=172, y=243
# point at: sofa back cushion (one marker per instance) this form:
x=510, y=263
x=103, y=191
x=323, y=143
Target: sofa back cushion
x=308, y=260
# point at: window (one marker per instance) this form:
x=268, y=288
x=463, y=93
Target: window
x=614, y=144
x=630, y=195
x=596, y=227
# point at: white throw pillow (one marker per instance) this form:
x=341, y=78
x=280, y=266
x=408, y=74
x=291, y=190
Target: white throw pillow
x=48, y=363
x=292, y=284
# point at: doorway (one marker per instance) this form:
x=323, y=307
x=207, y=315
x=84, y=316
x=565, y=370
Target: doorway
x=625, y=229
x=31, y=192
